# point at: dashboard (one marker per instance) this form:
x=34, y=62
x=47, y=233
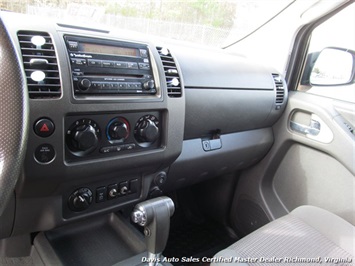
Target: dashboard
x=116, y=118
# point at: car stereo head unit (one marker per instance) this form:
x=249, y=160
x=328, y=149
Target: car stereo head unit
x=107, y=67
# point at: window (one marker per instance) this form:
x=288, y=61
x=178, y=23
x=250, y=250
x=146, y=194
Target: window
x=329, y=69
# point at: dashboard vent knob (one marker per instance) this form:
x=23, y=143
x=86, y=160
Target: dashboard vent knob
x=173, y=80
x=40, y=64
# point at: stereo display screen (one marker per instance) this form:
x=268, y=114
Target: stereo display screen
x=106, y=49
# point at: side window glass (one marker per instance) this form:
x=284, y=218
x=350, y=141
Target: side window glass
x=330, y=66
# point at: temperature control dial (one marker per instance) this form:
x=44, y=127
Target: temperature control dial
x=146, y=130
x=118, y=129
x=83, y=137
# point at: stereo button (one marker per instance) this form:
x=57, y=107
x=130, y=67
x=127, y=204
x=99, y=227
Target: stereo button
x=108, y=63
x=132, y=65
x=106, y=86
x=79, y=62
x=120, y=64
x=73, y=45
x=95, y=63
x=96, y=85
x=144, y=66
x=143, y=52
x=122, y=85
x=130, y=86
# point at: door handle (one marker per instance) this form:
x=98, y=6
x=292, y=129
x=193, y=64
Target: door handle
x=313, y=129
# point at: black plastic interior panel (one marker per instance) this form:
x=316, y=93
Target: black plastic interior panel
x=100, y=241
x=202, y=68
x=226, y=111
x=7, y=218
x=238, y=151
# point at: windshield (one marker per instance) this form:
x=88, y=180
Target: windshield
x=207, y=22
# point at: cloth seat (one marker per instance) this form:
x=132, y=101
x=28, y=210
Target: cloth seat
x=305, y=236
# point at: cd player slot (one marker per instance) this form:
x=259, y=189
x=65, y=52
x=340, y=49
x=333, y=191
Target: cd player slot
x=95, y=75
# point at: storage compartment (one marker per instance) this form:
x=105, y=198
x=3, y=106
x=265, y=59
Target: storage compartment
x=236, y=151
x=228, y=111
x=104, y=240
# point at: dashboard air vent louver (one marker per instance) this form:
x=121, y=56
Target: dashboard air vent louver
x=40, y=63
x=173, y=81
x=280, y=90
x=350, y=128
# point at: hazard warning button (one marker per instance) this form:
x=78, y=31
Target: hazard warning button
x=44, y=127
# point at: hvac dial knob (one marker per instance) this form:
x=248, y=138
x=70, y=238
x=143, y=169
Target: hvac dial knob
x=83, y=137
x=86, y=138
x=80, y=199
x=118, y=129
x=146, y=130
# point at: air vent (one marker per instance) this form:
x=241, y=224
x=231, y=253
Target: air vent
x=350, y=128
x=280, y=90
x=173, y=81
x=40, y=63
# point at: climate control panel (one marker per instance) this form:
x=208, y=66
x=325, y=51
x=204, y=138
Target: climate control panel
x=97, y=135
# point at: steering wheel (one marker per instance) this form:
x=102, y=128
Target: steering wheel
x=13, y=117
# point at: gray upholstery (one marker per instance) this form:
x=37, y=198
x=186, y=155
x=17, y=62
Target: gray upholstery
x=306, y=233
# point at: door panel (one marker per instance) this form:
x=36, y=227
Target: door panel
x=309, y=177
x=301, y=170
x=312, y=160
x=317, y=169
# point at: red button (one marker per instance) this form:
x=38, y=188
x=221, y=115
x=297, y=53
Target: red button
x=44, y=127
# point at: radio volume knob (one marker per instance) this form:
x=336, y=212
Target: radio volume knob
x=85, y=84
x=149, y=85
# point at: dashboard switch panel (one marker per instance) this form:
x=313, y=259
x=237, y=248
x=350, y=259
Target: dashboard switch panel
x=100, y=195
